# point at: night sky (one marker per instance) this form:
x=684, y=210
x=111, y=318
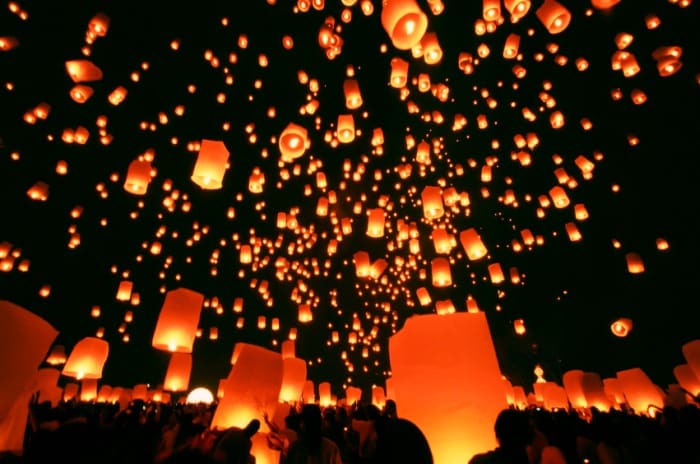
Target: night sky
x=569, y=292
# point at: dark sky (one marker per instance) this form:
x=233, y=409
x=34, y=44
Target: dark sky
x=569, y=293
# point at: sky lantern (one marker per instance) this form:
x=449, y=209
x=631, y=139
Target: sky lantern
x=177, y=321
x=375, y=222
x=491, y=10
x=472, y=244
x=399, y=73
x=431, y=197
x=57, y=356
x=446, y=378
x=635, y=264
x=559, y=197
x=177, y=377
x=510, y=49
x=7, y=43
x=211, y=164
x=621, y=327
x=594, y=391
x=496, y=273
x=604, y=4
x=138, y=176
x=432, y=53
x=346, y=128
x=554, y=16
x=668, y=60
x=519, y=326
x=517, y=8
x=88, y=390
x=640, y=391
x=252, y=388
x=39, y=191
x=404, y=22
x=117, y=96
x=691, y=352
x=573, y=384
x=25, y=339
x=324, y=394
x=293, y=379
x=440, y=269
x=293, y=142
x=87, y=359
x=81, y=93
x=99, y=24
x=353, y=97
x=686, y=378
x=83, y=71
x=124, y=290
x=104, y=393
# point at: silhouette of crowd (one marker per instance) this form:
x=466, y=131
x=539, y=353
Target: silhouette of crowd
x=157, y=433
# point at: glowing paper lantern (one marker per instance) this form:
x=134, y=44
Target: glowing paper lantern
x=378, y=396
x=404, y=22
x=572, y=381
x=24, y=340
x=177, y=377
x=559, y=197
x=687, y=379
x=691, y=352
x=104, y=393
x=200, y=395
x=473, y=246
x=87, y=359
x=138, y=176
x=613, y=390
x=432, y=53
x=604, y=4
x=353, y=97
x=252, y=387
x=57, y=356
x=308, y=394
x=554, y=397
x=594, y=391
x=88, y=390
x=639, y=390
x=517, y=8
x=554, y=16
x=324, y=394
x=140, y=392
x=453, y=358
x=177, y=322
x=346, y=128
x=635, y=264
x=440, y=269
x=375, y=222
x=293, y=379
x=399, y=73
x=352, y=395
x=621, y=327
x=293, y=142
x=83, y=71
x=431, y=197
x=211, y=163
x=510, y=50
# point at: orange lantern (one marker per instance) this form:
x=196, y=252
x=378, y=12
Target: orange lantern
x=211, y=164
x=440, y=269
x=423, y=296
x=81, y=93
x=691, y=352
x=88, y=390
x=594, y=391
x=621, y=327
x=83, y=71
x=686, y=378
x=472, y=244
x=639, y=390
x=117, y=96
x=437, y=362
x=496, y=273
x=346, y=128
x=491, y=10
x=554, y=16
x=177, y=377
x=177, y=322
x=559, y=197
x=604, y=4
x=138, y=176
x=293, y=142
x=293, y=378
x=432, y=53
x=375, y=222
x=519, y=326
x=635, y=265
x=399, y=73
x=431, y=198
x=510, y=49
x=57, y=356
x=517, y=8
x=573, y=385
x=87, y=359
x=124, y=290
x=404, y=22
x=362, y=264
x=353, y=97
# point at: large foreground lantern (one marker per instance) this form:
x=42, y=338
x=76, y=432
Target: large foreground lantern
x=24, y=340
x=446, y=379
x=87, y=359
x=211, y=164
x=687, y=379
x=251, y=389
x=177, y=323
x=293, y=378
x=177, y=377
x=573, y=384
x=404, y=22
x=639, y=390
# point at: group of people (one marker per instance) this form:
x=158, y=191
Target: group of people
x=156, y=433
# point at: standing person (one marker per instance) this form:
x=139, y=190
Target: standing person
x=311, y=447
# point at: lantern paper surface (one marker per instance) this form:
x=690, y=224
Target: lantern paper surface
x=25, y=339
x=252, y=387
x=447, y=381
x=177, y=323
x=177, y=378
x=294, y=376
x=639, y=390
x=87, y=359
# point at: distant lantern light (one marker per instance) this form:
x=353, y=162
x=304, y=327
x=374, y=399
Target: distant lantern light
x=635, y=264
x=346, y=128
x=211, y=165
x=200, y=395
x=404, y=22
x=83, y=71
x=138, y=176
x=621, y=327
